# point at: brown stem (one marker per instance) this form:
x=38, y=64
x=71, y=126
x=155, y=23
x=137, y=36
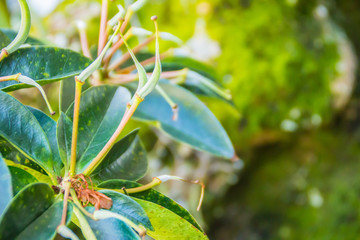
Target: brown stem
x=65, y=205
x=103, y=21
x=127, y=55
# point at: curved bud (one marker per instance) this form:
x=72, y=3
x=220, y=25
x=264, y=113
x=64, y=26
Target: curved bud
x=29, y=81
x=151, y=83
x=139, y=67
x=96, y=64
x=170, y=37
x=136, y=6
x=120, y=15
x=140, y=32
x=24, y=28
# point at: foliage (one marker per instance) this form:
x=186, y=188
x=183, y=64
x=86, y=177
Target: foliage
x=52, y=167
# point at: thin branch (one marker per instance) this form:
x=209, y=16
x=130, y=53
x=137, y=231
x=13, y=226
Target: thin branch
x=103, y=21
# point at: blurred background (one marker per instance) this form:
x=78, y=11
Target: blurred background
x=291, y=66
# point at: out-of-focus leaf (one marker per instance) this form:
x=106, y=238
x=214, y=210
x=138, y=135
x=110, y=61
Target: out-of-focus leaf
x=49, y=127
x=11, y=34
x=101, y=110
x=22, y=130
x=32, y=214
x=43, y=64
x=128, y=208
x=154, y=197
x=126, y=160
x=5, y=186
x=67, y=91
x=167, y=224
x=20, y=178
x=111, y=228
x=196, y=124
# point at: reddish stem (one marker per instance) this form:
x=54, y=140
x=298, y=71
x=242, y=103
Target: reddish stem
x=103, y=20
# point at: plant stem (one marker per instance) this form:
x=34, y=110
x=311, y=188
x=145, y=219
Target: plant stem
x=84, y=42
x=103, y=21
x=10, y=78
x=78, y=204
x=65, y=205
x=128, y=114
x=127, y=55
x=126, y=78
x=148, y=61
x=155, y=182
x=78, y=87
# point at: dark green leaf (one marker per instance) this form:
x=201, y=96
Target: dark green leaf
x=64, y=136
x=167, y=224
x=44, y=226
x=20, y=178
x=67, y=92
x=5, y=186
x=128, y=208
x=101, y=110
x=43, y=64
x=25, y=207
x=154, y=197
x=40, y=177
x=126, y=160
x=11, y=34
x=49, y=127
x=196, y=124
x=20, y=128
x=10, y=153
x=111, y=228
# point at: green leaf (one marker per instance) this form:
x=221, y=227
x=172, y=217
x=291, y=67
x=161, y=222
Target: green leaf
x=111, y=228
x=49, y=127
x=64, y=136
x=25, y=209
x=44, y=226
x=20, y=128
x=40, y=177
x=128, y=208
x=20, y=178
x=167, y=224
x=126, y=160
x=196, y=124
x=11, y=34
x=10, y=153
x=5, y=185
x=67, y=92
x=101, y=110
x=152, y=196
x=43, y=64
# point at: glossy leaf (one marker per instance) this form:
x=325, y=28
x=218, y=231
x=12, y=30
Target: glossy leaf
x=126, y=160
x=10, y=153
x=128, y=208
x=101, y=110
x=5, y=186
x=196, y=124
x=64, y=136
x=152, y=196
x=11, y=34
x=44, y=226
x=167, y=224
x=41, y=63
x=49, y=127
x=111, y=228
x=40, y=177
x=20, y=178
x=20, y=128
x=25, y=207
